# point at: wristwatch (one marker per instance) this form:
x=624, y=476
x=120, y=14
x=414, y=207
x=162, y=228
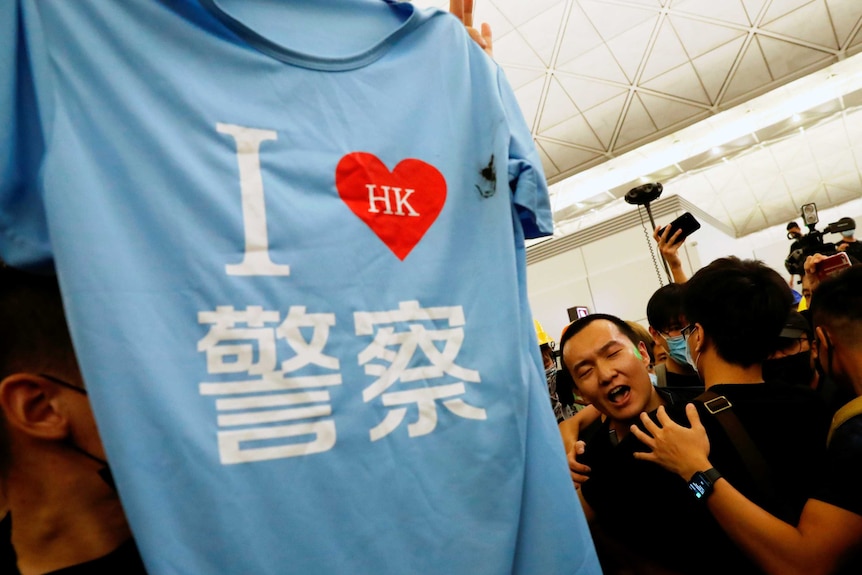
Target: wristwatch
x=702, y=482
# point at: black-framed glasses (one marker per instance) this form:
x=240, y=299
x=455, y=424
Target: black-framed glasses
x=667, y=334
x=63, y=383
x=686, y=331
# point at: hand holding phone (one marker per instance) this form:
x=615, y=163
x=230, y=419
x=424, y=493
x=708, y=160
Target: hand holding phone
x=831, y=265
x=686, y=223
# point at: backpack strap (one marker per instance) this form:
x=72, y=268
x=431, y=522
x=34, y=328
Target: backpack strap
x=850, y=410
x=661, y=373
x=720, y=408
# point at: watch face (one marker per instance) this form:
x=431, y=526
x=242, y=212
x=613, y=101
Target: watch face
x=700, y=486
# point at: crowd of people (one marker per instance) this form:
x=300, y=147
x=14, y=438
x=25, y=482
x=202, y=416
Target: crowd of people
x=726, y=463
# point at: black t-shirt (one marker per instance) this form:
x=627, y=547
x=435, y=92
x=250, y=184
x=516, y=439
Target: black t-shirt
x=842, y=476
x=124, y=560
x=681, y=380
x=652, y=511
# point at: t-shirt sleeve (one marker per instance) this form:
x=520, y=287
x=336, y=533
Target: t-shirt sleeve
x=842, y=474
x=23, y=229
x=526, y=175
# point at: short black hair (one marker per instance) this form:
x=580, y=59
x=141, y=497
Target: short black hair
x=792, y=225
x=837, y=305
x=34, y=337
x=741, y=305
x=664, y=308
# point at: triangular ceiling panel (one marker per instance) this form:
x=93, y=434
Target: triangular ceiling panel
x=838, y=163
x=577, y=131
x=488, y=12
x=597, y=63
x=750, y=75
x=529, y=96
x=779, y=210
x=810, y=23
x=759, y=166
x=753, y=9
x=691, y=186
x=551, y=170
x=729, y=184
x=814, y=193
x=825, y=138
x=603, y=118
x=666, y=53
x=785, y=58
x=565, y=157
x=630, y=47
x=780, y=8
x=791, y=153
x=666, y=112
x=682, y=82
x=801, y=180
x=588, y=93
x=853, y=124
x=649, y=3
x=726, y=10
x=580, y=36
x=541, y=32
x=557, y=106
x=714, y=66
x=518, y=77
x=513, y=50
x=767, y=188
x=849, y=181
x=519, y=13
x=845, y=15
x=840, y=194
x=755, y=221
x=636, y=125
x=611, y=20
x=700, y=37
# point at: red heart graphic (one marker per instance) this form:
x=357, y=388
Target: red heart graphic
x=399, y=206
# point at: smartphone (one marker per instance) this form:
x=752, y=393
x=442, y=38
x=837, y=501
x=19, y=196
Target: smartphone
x=686, y=222
x=832, y=265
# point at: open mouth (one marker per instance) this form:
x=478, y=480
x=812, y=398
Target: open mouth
x=619, y=394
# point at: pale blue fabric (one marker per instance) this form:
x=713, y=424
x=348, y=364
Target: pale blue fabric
x=120, y=171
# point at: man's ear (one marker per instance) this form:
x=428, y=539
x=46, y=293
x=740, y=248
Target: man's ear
x=32, y=406
x=656, y=337
x=644, y=354
x=819, y=336
x=700, y=341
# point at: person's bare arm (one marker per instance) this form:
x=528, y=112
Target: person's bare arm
x=668, y=246
x=571, y=430
x=826, y=534
x=463, y=10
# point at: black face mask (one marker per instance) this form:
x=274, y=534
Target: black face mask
x=793, y=369
x=105, y=471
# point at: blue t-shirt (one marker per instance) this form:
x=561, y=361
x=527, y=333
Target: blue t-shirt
x=295, y=282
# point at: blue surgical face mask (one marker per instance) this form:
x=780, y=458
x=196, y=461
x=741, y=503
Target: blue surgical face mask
x=676, y=348
x=848, y=233
x=653, y=378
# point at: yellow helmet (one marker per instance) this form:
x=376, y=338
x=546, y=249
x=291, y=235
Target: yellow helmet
x=544, y=338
